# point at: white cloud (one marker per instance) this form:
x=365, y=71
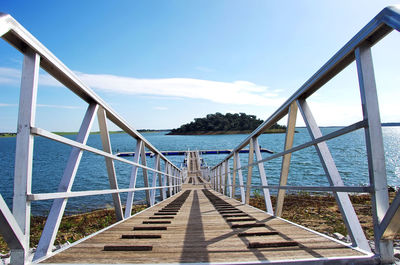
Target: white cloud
x=160, y=108
x=237, y=92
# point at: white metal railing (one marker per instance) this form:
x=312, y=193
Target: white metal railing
x=15, y=225
x=386, y=219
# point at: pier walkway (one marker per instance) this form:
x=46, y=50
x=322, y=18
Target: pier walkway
x=201, y=225
x=193, y=215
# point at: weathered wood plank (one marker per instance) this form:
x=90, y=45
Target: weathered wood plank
x=199, y=233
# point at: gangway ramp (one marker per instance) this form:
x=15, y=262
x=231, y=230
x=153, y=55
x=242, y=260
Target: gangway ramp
x=199, y=225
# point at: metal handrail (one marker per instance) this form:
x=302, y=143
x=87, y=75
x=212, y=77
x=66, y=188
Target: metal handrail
x=15, y=34
x=381, y=25
x=385, y=218
x=15, y=226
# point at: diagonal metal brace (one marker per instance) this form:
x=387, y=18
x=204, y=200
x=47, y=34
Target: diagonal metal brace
x=9, y=227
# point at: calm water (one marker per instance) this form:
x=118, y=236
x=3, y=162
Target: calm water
x=50, y=159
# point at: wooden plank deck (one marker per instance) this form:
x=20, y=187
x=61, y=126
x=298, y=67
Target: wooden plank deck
x=200, y=229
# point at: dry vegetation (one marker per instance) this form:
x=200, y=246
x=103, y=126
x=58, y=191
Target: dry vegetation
x=321, y=213
x=74, y=227
x=318, y=212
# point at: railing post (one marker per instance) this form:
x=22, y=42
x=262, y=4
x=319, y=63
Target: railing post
x=249, y=171
x=223, y=179
x=234, y=176
x=226, y=168
x=57, y=208
x=219, y=178
x=160, y=180
x=132, y=183
x=214, y=179
x=154, y=182
x=263, y=176
x=145, y=175
x=346, y=208
x=112, y=177
x=174, y=180
x=290, y=130
x=375, y=151
x=165, y=178
x=242, y=193
x=228, y=176
x=24, y=151
x=169, y=172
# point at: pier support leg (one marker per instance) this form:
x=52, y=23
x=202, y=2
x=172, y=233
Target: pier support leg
x=290, y=130
x=375, y=151
x=249, y=171
x=24, y=151
x=242, y=193
x=234, y=173
x=112, y=176
x=132, y=182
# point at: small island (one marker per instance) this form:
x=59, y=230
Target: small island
x=213, y=124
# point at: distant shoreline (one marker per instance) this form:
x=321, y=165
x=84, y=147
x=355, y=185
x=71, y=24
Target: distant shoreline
x=226, y=132
x=11, y=134
x=7, y=134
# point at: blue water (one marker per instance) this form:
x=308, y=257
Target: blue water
x=50, y=158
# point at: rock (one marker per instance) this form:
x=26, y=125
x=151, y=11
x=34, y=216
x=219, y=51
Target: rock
x=57, y=247
x=5, y=261
x=339, y=236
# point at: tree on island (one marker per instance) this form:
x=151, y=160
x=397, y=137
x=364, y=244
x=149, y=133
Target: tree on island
x=238, y=122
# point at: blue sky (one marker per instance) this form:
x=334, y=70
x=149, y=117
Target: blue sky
x=163, y=63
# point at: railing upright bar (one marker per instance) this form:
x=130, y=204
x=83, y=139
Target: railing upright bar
x=234, y=173
x=24, y=151
x=145, y=175
x=263, y=176
x=374, y=145
x=154, y=181
x=242, y=193
x=165, y=177
x=174, y=181
x=228, y=175
x=290, y=131
x=214, y=178
x=169, y=182
x=160, y=183
x=346, y=208
x=132, y=182
x=249, y=171
x=223, y=178
x=57, y=209
x=112, y=177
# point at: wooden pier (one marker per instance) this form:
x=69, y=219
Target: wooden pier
x=194, y=223
x=199, y=225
